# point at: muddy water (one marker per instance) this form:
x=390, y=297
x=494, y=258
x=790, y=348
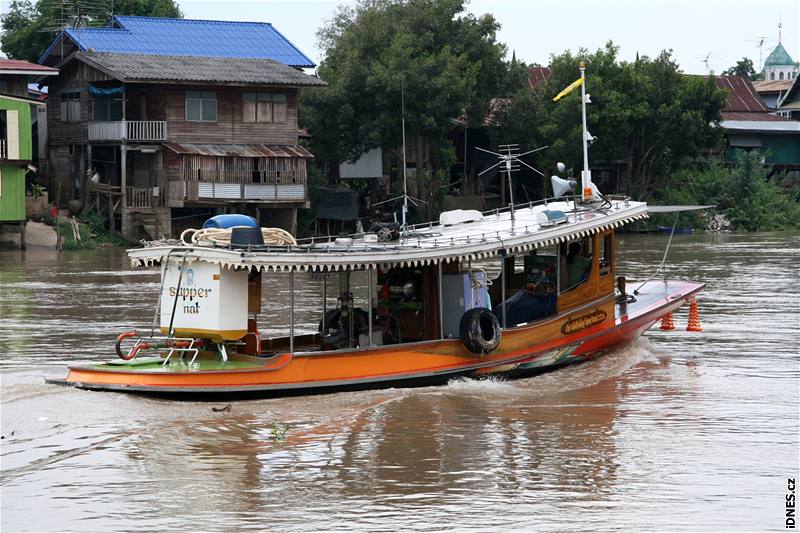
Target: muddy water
x=679, y=431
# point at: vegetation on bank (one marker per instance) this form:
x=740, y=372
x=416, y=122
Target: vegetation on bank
x=742, y=193
x=93, y=230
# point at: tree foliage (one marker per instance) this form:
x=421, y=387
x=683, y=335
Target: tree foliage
x=645, y=113
x=29, y=28
x=742, y=192
x=745, y=69
x=447, y=62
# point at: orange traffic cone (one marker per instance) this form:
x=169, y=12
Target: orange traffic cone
x=694, y=317
x=666, y=322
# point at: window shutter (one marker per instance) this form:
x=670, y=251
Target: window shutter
x=193, y=110
x=209, y=111
x=279, y=107
x=12, y=133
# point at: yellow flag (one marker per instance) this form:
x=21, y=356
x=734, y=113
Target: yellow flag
x=568, y=89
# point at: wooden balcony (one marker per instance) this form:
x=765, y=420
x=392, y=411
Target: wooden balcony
x=128, y=130
x=147, y=198
x=249, y=192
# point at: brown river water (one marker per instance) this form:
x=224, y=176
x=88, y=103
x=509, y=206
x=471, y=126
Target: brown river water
x=678, y=431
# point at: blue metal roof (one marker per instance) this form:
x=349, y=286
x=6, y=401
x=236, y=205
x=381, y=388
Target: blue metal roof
x=187, y=37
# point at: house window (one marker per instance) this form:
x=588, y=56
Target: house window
x=71, y=106
x=780, y=76
x=107, y=109
x=263, y=107
x=201, y=106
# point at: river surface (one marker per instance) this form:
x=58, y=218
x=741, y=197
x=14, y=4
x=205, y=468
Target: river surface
x=678, y=431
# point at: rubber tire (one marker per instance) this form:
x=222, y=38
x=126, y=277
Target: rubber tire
x=479, y=330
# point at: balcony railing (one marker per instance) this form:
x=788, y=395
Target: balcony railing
x=258, y=192
x=128, y=130
x=147, y=197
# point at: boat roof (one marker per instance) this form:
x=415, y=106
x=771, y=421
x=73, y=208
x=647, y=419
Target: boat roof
x=489, y=234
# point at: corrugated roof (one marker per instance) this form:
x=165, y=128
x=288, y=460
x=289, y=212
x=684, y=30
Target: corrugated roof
x=765, y=126
x=240, y=150
x=772, y=86
x=187, y=37
x=140, y=67
x=743, y=95
x=792, y=96
x=16, y=66
x=743, y=115
x=537, y=76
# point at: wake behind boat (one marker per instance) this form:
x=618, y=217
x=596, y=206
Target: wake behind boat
x=431, y=312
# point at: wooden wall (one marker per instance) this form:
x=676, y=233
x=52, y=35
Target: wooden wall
x=167, y=102
x=75, y=76
x=229, y=127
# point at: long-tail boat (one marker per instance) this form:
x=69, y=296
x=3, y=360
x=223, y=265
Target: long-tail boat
x=432, y=310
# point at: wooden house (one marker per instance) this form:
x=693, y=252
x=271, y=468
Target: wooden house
x=155, y=119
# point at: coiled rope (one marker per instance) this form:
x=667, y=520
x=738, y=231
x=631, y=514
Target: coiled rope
x=222, y=237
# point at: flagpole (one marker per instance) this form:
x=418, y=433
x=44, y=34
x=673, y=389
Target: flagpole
x=586, y=175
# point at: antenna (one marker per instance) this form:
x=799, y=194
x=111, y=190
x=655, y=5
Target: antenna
x=509, y=158
x=706, y=62
x=403, y=120
x=406, y=198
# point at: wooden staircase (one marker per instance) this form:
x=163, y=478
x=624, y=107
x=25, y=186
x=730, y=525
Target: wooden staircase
x=155, y=222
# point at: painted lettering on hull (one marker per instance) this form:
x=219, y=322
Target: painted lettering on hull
x=584, y=321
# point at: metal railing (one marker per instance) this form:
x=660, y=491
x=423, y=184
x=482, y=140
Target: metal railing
x=128, y=130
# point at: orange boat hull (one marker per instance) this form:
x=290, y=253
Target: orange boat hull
x=577, y=335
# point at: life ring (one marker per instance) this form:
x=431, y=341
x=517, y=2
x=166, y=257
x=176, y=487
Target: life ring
x=480, y=330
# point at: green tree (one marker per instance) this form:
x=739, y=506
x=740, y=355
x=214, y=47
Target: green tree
x=645, y=113
x=744, y=68
x=447, y=63
x=29, y=28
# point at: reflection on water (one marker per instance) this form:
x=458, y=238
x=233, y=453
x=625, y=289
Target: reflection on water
x=677, y=431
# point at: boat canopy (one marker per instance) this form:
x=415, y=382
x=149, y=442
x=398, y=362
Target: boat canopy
x=491, y=233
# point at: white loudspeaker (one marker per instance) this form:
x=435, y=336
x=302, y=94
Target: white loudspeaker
x=562, y=186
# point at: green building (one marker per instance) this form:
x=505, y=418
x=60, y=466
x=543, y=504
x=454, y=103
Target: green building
x=15, y=155
x=16, y=135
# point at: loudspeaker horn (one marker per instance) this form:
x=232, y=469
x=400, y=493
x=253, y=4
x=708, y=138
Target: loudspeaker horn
x=562, y=186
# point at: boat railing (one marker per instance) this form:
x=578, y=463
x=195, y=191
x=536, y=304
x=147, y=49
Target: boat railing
x=408, y=238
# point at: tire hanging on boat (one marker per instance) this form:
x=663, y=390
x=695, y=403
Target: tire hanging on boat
x=480, y=330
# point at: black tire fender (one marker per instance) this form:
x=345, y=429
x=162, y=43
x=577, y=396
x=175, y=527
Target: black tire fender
x=479, y=330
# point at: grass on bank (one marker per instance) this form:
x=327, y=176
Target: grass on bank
x=93, y=230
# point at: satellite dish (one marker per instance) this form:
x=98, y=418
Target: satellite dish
x=562, y=186
x=561, y=167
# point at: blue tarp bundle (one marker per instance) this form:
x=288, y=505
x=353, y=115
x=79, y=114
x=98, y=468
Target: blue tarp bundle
x=105, y=93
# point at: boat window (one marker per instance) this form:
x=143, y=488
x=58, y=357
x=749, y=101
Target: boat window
x=575, y=264
x=531, y=293
x=606, y=254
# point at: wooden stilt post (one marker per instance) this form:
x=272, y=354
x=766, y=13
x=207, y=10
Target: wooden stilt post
x=124, y=188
